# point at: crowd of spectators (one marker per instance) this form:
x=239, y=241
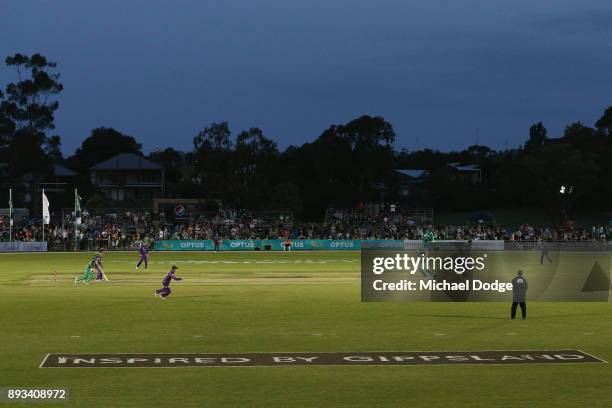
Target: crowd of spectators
x=342, y=224
x=126, y=229
x=109, y=231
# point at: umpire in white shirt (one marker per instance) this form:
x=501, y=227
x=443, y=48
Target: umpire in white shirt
x=519, y=294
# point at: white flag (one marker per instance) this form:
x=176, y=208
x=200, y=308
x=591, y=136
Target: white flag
x=77, y=207
x=46, y=216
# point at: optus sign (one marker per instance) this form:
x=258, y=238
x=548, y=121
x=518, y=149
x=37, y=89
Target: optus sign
x=312, y=244
x=258, y=245
x=193, y=245
x=241, y=244
x=344, y=244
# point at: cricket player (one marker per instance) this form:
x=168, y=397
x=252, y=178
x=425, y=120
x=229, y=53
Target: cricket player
x=100, y=276
x=519, y=295
x=217, y=242
x=429, y=236
x=544, y=252
x=88, y=274
x=165, y=291
x=144, y=256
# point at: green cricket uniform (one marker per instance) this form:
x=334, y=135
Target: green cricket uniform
x=88, y=274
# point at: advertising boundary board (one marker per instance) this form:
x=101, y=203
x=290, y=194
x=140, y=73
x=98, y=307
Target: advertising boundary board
x=17, y=246
x=308, y=245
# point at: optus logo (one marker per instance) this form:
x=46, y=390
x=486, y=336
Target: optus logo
x=243, y=244
x=342, y=244
x=193, y=245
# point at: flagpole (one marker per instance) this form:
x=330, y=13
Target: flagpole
x=43, y=217
x=75, y=221
x=10, y=215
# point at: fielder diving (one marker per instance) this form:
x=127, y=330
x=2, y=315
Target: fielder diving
x=165, y=291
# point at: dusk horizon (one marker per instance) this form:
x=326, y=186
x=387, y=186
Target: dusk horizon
x=445, y=76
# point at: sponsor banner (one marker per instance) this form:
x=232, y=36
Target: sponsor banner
x=176, y=245
x=488, y=245
x=376, y=358
x=23, y=246
x=179, y=210
x=332, y=245
x=454, y=272
x=279, y=245
x=383, y=244
x=240, y=244
x=208, y=245
x=480, y=245
x=336, y=244
x=315, y=245
x=476, y=245
x=576, y=246
x=272, y=245
x=413, y=244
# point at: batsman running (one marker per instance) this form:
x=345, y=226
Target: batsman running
x=165, y=291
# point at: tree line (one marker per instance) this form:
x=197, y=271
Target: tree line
x=346, y=164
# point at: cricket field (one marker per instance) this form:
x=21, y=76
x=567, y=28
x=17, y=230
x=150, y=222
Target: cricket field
x=243, y=302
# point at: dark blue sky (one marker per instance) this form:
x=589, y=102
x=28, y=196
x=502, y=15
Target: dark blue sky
x=437, y=70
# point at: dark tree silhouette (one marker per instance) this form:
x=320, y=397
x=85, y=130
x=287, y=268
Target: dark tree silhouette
x=102, y=144
x=27, y=113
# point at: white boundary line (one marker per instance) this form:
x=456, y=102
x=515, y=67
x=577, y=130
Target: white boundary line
x=44, y=361
x=592, y=356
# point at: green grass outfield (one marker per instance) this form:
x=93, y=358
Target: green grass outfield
x=258, y=302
